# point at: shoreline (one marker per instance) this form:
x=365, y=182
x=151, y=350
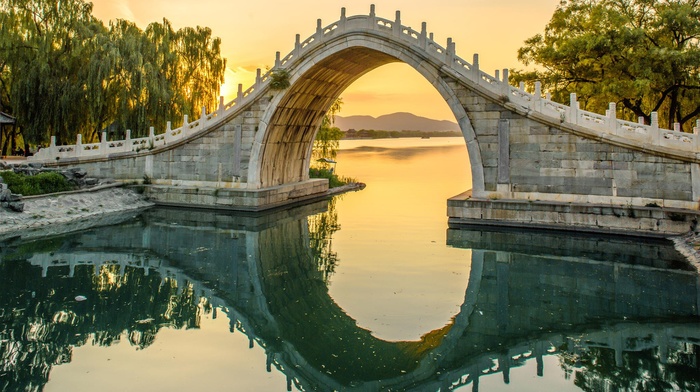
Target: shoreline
x=60, y=213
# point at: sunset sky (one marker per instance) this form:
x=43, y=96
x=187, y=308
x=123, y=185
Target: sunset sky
x=252, y=31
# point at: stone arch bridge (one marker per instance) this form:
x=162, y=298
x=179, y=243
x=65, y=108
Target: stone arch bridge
x=532, y=161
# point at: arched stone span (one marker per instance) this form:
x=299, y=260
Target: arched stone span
x=282, y=150
x=534, y=162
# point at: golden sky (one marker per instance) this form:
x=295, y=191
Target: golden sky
x=252, y=31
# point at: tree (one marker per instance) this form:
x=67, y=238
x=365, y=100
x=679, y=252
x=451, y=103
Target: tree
x=642, y=54
x=328, y=137
x=62, y=72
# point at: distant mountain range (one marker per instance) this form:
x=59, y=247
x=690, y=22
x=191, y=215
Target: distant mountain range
x=395, y=122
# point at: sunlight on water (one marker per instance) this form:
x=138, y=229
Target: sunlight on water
x=397, y=277
x=203, y=359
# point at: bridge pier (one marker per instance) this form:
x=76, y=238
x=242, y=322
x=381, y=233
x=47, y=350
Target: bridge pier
x=464, y=210
x=237, y=199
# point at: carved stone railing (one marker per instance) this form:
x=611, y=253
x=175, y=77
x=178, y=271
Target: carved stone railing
x=421, y=42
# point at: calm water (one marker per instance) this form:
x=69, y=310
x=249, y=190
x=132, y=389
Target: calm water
x=367, y=292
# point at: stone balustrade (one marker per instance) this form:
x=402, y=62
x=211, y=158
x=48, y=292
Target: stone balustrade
x=392, y=30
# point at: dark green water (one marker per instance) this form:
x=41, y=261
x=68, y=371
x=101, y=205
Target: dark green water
x=179, y=300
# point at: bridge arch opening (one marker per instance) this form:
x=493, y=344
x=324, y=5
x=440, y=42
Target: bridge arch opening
x=282, y=150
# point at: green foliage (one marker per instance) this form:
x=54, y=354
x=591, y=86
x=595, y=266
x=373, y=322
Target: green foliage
x=321, y=229
x=328, y=137
x=279, y=79
x=62, y=71
x=39, y=184
x=642, y=54
x=333, y=179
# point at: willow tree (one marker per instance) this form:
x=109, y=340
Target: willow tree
x=43, y=42
x=200, y=71
x=328, y=136
x=642, y=54
x=62, y=72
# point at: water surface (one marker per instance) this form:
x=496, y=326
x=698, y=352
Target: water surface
x=368, y=292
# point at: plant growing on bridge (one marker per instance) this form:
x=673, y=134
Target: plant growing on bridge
x=642, y=54
x=279, y=79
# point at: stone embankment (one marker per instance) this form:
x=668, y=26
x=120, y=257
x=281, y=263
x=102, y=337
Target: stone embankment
x=71, y=211
x=94, y=203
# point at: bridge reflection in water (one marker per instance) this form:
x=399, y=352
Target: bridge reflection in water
x=618, y=313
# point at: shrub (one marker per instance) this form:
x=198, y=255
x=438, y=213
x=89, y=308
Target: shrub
x=333, y=179
x=42, y=183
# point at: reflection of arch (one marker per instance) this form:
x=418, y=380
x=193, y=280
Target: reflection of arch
x=282, y=147
x=263, y=271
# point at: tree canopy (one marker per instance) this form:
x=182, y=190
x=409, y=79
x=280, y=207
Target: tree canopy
x=642, y=54
x=63, y=72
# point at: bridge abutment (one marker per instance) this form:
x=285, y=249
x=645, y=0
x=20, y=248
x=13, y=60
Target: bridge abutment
x=237, y=199
x=652, y=221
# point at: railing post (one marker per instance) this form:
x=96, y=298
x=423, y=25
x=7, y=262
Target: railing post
x=297, y=45
x=239, y=94
x=449, y=54
x=103, y=144
x=203, y=117
x=372, y=20
x=222, y=105
x=475, y=68
x=127, y=141
x=341, y=24
x=537, y=101
x=677, y=127
x=696, y=133
x=423, y=39
x=612, y=117
x=53, y=151
x=168, y=135
x=505, y=85
x=79, y=145
x=258, y=77
x=278, y=62
x=656, y=133
x=319, y=30
x=573, y=109
x=151, y=137
x=396, y=27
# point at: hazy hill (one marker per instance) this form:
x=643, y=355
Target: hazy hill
x=395, y=122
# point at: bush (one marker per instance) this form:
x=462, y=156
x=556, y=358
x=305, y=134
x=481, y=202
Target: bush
x=333, y=180
x=42, y=183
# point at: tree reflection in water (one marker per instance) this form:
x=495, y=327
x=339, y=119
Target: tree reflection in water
x=322, y=226
x=650, y=369
x=41, y=319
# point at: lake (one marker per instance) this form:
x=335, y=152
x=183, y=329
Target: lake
x=369, y=291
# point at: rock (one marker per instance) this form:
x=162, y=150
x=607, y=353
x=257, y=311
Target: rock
x=16, y=206
x=78, y=172
x=35, y=165
x=5, y=194
x=91, y=181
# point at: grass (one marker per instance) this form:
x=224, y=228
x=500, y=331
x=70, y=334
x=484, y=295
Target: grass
x=39, y=184
x=334, y=180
